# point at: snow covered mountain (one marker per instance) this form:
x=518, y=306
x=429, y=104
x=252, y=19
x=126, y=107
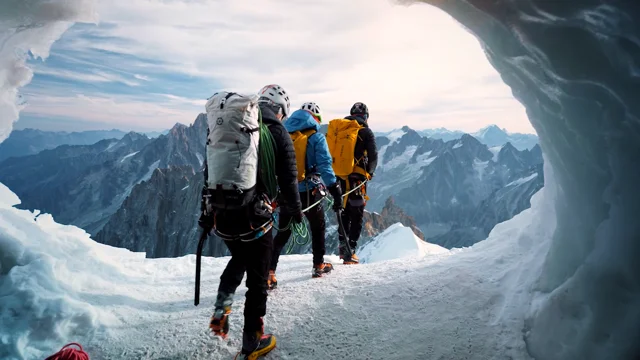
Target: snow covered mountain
x=31, y=141
x=442, y=134
x=84, y=185
x=491, y=136
x=443, y=185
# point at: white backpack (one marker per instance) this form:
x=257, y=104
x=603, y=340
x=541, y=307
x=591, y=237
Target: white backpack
x=232, y=149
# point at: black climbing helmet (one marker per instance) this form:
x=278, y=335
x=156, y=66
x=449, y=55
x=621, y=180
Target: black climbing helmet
x=360, y=109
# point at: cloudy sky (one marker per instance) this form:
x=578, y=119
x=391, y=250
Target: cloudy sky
x=149, y=64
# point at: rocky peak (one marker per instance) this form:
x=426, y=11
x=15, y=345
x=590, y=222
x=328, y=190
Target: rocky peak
x=375, y=223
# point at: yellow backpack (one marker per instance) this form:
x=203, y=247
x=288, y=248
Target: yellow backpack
x=341, y=138
x=300, y=140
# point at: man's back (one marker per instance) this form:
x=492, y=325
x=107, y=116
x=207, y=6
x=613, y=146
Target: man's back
x=366, y=142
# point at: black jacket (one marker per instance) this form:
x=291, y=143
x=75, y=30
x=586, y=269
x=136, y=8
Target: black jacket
x=240, y=221
x=366, y=141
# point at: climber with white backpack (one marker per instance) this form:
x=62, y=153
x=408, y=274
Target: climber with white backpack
x=315, y=177
x=250, y=158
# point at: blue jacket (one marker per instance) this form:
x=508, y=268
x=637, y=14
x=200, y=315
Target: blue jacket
x=318, y=157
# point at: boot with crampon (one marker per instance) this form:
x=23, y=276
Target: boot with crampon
x=321, y=269
x=256, y=344
x=272, y=282
x=351, y=259
x=220, y=322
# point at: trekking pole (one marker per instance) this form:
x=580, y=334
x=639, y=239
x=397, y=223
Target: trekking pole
x=203, y=238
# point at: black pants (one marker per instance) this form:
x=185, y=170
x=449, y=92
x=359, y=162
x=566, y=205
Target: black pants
x=253, y=257
x=315, y=215
x=353, y=214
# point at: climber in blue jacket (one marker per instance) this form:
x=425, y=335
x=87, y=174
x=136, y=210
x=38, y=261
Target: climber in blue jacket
x=318, y=167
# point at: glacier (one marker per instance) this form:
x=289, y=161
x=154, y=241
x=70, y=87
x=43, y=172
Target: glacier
x=560, y=280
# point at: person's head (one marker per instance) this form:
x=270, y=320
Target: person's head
x=277, y=99
x=361, y=110
x=314, y=109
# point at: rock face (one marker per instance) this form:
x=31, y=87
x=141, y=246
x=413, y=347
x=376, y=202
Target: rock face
x=160, y=216
x=391, y=214
x=84, y=185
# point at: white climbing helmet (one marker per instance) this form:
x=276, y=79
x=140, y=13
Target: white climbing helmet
x=312, y=108
x=275, y=94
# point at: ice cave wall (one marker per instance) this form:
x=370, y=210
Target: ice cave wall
x=575, y=65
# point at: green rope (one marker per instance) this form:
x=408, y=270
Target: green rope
x=300, y=231
x=267, y=159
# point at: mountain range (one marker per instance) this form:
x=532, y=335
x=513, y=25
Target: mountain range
x=31, y=141
x=491, y=136
x=455, y=190
x=84, y=185
x=143, y=194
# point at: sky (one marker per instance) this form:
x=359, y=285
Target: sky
x=148, y=64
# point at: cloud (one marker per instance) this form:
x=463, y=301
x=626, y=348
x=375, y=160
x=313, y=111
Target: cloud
x=120, y=111
x=411, y=65
x=96, y=76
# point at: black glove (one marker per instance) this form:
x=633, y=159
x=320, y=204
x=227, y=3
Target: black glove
x=336, y=193
x=297, y=217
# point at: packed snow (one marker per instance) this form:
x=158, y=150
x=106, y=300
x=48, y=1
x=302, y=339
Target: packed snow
x=397, y=242
x=70, y=288
x=457, y=145
x=128, y=156
x=522, y=180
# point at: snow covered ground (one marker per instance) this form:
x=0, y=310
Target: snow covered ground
x=59, y=286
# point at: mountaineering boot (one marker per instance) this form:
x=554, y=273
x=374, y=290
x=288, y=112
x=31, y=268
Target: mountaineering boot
x=351, y=260
x=220, y=322
x=321, y=269
x=256, y=344
x=272, y=282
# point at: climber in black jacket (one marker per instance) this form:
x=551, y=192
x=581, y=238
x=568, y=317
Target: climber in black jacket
x=254, y=256
x=366, y=157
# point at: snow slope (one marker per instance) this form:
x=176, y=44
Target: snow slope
x=397, y=242
x=443, y=304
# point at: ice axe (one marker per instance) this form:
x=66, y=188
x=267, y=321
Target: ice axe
x=203, y=238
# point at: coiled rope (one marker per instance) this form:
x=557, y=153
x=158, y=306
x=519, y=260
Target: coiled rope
x=68, y=353
x=300, y=232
